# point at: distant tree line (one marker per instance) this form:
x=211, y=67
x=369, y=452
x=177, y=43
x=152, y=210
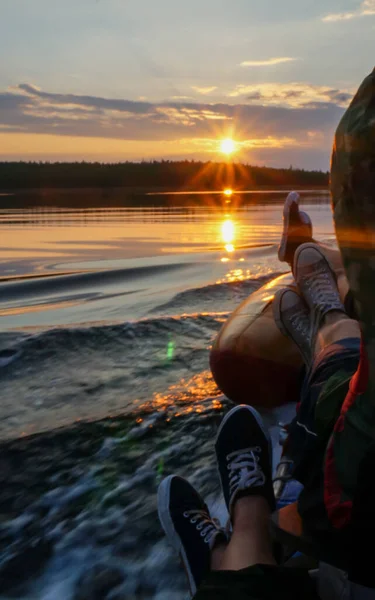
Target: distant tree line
x=167, y=175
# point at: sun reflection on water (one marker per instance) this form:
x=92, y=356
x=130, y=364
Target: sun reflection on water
x=228, y=234
x=227, y=231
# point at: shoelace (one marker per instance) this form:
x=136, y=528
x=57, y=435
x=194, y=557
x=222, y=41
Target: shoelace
x=244, y=469
x=201, y=519
x=300, y=322
x=321, y=287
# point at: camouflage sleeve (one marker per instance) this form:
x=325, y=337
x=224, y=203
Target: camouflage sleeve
x=353, y=198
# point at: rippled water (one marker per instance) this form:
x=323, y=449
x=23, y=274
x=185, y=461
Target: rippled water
x=109, y=315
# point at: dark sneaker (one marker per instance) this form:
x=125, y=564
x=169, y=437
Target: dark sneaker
x=244, y=457
x=317, y=283
x=188, y=526
x=292, y=316
x=297, y=228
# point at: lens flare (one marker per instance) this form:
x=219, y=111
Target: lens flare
x=170, y=349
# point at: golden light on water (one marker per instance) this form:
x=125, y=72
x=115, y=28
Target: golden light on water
x=228, y=235
x=187, y=396
x=227, y=231
x=227, y=146
x=235, y=274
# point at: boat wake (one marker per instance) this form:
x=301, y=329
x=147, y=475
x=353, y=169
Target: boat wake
x=134, y=401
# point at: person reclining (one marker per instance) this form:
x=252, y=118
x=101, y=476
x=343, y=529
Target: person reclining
x=332, y=439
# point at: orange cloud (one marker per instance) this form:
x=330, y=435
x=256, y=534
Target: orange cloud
x=366, y=9
x=293, y=95
x=270, y=121
x=267, y=63
x=204, y=90
x=26, y=145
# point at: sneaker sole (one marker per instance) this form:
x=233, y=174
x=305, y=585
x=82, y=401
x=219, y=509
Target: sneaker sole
x=293, y=197
x=164, y=491
x=258, y=419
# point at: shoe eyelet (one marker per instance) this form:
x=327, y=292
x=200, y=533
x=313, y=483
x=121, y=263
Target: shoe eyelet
x=186, y=515
x=193, y=521
x=203, y=534
x=199, y=527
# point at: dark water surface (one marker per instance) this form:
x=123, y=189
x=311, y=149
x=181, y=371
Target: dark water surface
x=109, y=314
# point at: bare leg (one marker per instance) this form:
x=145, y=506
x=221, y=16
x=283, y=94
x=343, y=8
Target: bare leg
x=217, y=556
x=251, y=541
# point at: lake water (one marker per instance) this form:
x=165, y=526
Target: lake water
x=111, y=313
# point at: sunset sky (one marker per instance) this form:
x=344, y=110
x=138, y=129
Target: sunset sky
x=115, y=80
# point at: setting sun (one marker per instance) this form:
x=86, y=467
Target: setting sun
x=227, y=146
